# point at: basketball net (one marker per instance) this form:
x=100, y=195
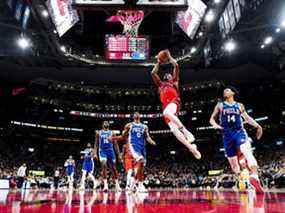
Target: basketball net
x=131, y=19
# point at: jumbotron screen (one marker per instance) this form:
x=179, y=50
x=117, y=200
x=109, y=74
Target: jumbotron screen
x=120, y=47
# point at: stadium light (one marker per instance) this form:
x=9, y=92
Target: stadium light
x=193, y=50
x=283, y=23
x=262, y=46
x=217, y=1
x=268, y=40
x=200, y=34
x=31, y=149
x=45, y=13
x=63, y=49
x=210, y=16
x=23, y=43
x=230, y=46
x=278, y=30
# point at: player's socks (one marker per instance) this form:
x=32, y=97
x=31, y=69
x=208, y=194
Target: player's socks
x=255, y=183
x=188, y=135
x=105, y=185
x=141, y=187
x=117, y=186
x=129, y=179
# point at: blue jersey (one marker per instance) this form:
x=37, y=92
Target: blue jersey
x=69, y=166
x=87, y=154
x=88, y=164
x=104, y=143
x=137, y=134
x=230, y=117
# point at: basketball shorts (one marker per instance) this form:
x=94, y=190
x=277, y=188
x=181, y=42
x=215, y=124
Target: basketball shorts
x=107, y=155
x=233, y=140
x=138, y=152
x=88, y=166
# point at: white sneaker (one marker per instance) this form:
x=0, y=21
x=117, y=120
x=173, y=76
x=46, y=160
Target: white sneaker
x=118, y=188
x=105, y=189
x=141, y=188
x=95, y=185
x=195, y=152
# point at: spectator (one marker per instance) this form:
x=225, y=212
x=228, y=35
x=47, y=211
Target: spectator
x=21, y=174
x=56, y=178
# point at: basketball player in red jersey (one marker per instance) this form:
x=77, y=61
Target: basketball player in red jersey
x=170, y=98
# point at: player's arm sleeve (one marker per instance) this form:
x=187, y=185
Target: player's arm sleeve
x=154, y=75
x=248, y=118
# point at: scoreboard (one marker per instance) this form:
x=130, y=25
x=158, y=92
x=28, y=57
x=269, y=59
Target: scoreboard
x=120, y=47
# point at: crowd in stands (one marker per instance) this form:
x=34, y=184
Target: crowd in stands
x=161, y=172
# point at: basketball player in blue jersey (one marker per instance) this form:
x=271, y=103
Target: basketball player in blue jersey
x=70, y=168
x=107, y=154
x=232, y=114
x=88, y=166
x=136, y=133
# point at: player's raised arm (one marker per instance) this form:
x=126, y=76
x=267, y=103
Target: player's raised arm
x=148, y=138
x=248, y=119
x=214, y=117
x=176, y=69
x=96, y=145
x=122, y=137
x=156, y=79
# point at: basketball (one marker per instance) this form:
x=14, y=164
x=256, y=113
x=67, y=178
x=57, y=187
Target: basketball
x=162, y=56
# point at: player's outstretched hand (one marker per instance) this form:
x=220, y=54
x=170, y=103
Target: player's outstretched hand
x=96, y=157
x=259, y=132
x=110, y=138
x=217, y=126
x=152, y=142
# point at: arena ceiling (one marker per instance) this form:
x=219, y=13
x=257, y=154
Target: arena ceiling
x=45, y=59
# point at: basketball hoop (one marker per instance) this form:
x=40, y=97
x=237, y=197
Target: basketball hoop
x=131, y=19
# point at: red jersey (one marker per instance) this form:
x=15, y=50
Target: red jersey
x=169, y=93
x=128, y=158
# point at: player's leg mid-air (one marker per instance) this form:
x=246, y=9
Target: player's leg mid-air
x=231, y=115
x=87, y=167
x=106, y=150
x=136, y=133
x=170, y=98
x=129, y=167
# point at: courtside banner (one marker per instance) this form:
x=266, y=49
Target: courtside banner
x=37, y=173
x=215, y=172
x=62, y=15
x=189, y=20
x=99, y=2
